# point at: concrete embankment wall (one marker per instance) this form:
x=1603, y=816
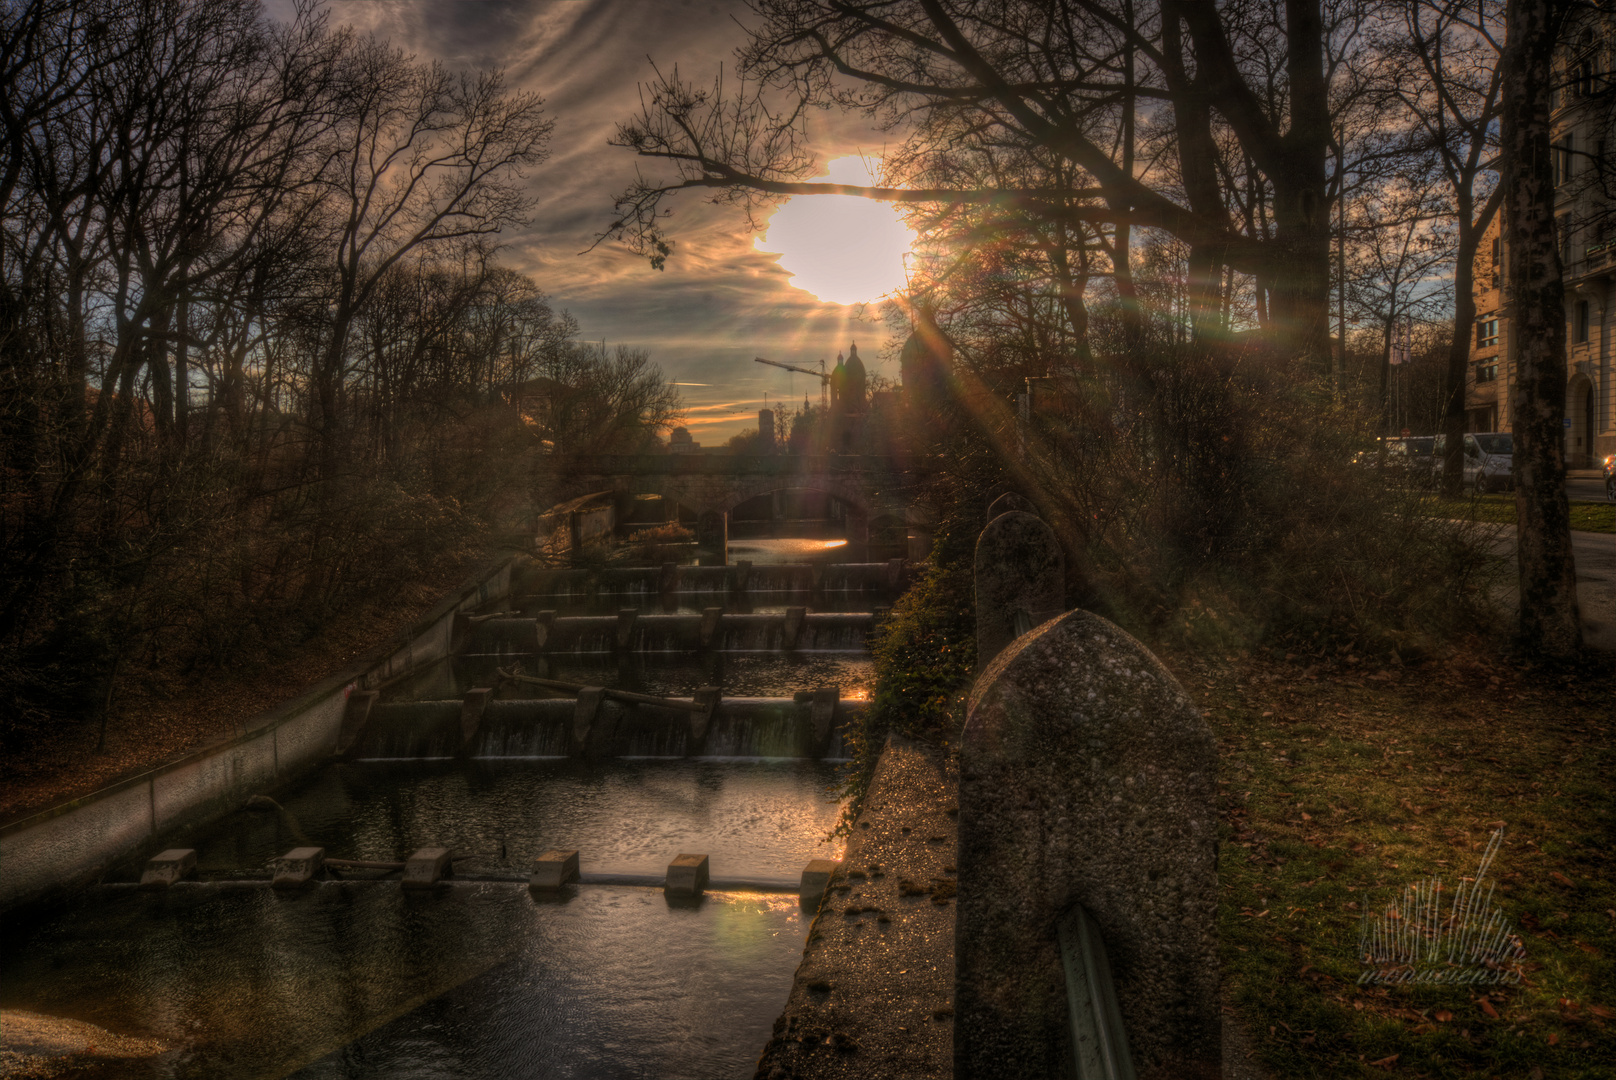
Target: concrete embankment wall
x=77, y=841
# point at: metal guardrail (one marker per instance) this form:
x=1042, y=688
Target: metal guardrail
x=1099, y=1041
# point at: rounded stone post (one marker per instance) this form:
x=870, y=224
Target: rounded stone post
x=1087, y=780
x=1020, y=581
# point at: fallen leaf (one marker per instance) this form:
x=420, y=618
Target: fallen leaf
x=1562, y=879
x=1443, y=1015
x=1487, y=1007
x=1585, y=947
x=1386, y=1062
x=1602, y=1012
x=1554, y=1038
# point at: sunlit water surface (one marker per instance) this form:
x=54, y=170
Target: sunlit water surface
x=475, y=979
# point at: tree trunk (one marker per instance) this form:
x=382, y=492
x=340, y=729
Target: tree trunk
x=1549, y=622
x=1453, y=383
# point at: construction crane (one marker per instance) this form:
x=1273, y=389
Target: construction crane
x=824, y=379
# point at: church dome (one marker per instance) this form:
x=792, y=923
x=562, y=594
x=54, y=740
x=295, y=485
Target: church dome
x=853, y=392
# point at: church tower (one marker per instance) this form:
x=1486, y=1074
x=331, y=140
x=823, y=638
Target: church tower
x=853, y=391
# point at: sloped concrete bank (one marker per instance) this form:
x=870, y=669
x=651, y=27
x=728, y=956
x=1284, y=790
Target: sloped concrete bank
x=77, y=841
x=873, y=996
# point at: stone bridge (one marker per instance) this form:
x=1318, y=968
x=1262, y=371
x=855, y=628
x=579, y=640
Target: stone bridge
x=870, y=487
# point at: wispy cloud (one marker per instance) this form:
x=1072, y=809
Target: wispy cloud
x=720, y=302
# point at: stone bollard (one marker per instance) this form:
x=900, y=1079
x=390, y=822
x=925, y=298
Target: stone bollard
x=1020, y=581
x=298, y=867
x=687, y=876
x=167, y=867
x=1087, y=779
x=740, y=577
x=668, y=579
x=553, y=870
x=1011, y=501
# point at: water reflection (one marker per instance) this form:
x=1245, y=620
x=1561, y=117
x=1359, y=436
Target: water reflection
x=474, y=979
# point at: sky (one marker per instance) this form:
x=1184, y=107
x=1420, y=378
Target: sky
x=720, y=301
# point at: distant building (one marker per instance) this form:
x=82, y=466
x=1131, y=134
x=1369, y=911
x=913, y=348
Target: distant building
x=1582, y=134
x=680, y=442
x=766, y=443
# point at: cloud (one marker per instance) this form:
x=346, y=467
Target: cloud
x=720, y=302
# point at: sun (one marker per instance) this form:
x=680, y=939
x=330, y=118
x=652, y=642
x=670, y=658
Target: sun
x=841, y=248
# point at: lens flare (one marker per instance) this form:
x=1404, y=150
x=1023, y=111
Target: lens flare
x=842, y=249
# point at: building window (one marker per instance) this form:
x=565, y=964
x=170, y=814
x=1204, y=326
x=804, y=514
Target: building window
x=1487, y=372
x=1486, y=333
x=1580, y=333
x=1585, y=77
x=1563, y=154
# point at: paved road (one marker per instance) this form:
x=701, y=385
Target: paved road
x=1595, y=554
x=1585, y=485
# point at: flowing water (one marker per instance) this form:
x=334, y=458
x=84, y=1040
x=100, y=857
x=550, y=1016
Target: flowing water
x=357, y=978
x=475, y=979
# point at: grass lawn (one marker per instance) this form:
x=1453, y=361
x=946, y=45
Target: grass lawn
x=1341, y=788
x=1586, y=516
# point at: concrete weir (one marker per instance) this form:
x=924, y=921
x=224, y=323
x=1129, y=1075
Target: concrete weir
x=634, y=631
x=596, y=725
x=77, y=841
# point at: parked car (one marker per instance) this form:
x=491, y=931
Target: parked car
x=1414, y=456
x=1610, y=477
x=1404, y=460
x=1489, y=461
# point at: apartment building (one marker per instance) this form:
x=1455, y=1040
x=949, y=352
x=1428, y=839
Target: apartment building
x=1585, y=210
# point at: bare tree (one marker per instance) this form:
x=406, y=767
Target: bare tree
x=1441, y=63
x=1061, y=79
x=424, y=157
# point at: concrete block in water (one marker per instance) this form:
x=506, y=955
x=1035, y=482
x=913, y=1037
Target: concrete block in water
x=472, y=707
x=822, y=713
x=687, y=876
x=740, y=576
x=584, y=716
x=298, y=867
x=668, y=580
x=167, y=867
x=626, y=618
x=710, y=618
x=554, y=869
x=1087, y=778
x=795, y=617
x=427, y=867
x=816, y=880
x=709, y=698
x=1020, y=579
